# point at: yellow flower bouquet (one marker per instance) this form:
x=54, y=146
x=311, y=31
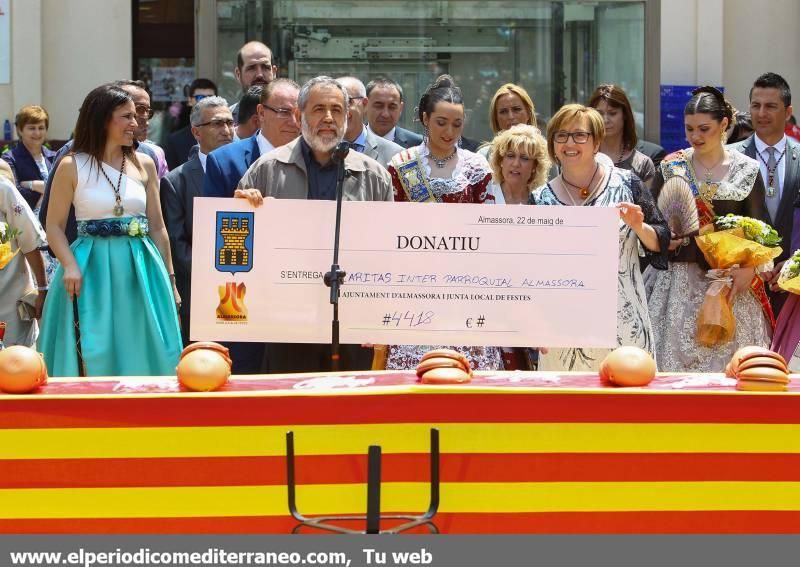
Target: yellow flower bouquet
x=789, y=278
x=7, y=234
x=736, y=242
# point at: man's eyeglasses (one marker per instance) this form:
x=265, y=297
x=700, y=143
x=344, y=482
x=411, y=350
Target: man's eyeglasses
x=142, y=110
x=218, y=123
x=578, y=137
x=282, y=113
x=355, y=98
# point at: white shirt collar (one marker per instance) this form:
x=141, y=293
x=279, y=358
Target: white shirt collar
x=389, y=135
x=263, y=144
x=761, y=146
x=203, y=157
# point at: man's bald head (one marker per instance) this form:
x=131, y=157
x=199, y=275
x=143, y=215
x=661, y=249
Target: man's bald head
x=254, y=65
x=358, y=103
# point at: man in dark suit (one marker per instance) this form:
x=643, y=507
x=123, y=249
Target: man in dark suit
x=384, y=108
x=779, y=158
x=212, y=127
x=180, y=142
x=361, y=139
x=227, y=165
x=248, y=124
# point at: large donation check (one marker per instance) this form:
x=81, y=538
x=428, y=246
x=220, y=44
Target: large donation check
x=416, y=273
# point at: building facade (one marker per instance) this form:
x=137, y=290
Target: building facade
x=558, y=50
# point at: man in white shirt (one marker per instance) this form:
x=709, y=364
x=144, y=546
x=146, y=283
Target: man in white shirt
x=212, y=126
x=779, y=160
x=384, y=108
x=359, y=137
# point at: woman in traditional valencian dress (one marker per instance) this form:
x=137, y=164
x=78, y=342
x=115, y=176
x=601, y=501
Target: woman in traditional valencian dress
x=787, y=327
x=589, y=179
x=113, y=276
x=23, y=286
x=439, y=171
x=722, y=182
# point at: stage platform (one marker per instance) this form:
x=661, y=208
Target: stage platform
x=522, y=452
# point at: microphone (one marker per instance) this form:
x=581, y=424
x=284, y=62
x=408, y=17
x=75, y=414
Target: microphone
x=340, y=152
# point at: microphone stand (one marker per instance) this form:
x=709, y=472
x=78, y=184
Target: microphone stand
x=335, y=278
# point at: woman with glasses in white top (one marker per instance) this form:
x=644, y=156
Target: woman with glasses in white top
x=589, y=179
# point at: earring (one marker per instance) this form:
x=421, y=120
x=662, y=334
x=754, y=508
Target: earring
x=460, y=142
x=426, y=134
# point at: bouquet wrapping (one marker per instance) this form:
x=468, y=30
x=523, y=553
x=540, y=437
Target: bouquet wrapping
x=737, y=242
x=7, y=234
x=715, y=321
x=789, y=278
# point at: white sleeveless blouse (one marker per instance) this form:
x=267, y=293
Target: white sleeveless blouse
x=94, y=197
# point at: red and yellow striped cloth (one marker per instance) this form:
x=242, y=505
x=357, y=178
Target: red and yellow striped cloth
x=521, y=453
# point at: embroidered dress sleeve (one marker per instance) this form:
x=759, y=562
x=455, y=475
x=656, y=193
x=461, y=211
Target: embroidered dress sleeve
x=20, y=217
x=653, y=217
x=480, y=175
x=397, y=187
x=480, y=192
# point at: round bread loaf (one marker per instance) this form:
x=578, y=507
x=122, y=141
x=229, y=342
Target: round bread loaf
x=763, y=374
x=440, y=362
x=445, y=376
x=762, y=362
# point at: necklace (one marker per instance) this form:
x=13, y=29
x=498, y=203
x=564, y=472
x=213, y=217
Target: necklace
x=771, y=172
x=584, y=191
x=440, y=163
x=709, y=170
x=118, y=208
x=620, y=156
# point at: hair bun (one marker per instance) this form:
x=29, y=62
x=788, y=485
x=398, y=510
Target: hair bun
x=717, y=94
x=444, y=88
x=443, y=82
x=710, y=90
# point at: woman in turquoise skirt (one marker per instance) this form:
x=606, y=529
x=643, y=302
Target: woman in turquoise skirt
x=117, y=276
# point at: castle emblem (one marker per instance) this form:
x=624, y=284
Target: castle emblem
x=234, y=243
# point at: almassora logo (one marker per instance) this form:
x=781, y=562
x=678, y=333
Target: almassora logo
x=231, y=302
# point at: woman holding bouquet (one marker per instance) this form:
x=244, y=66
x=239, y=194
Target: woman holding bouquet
x=21, y=267
x=721, y=182
x=787, y=329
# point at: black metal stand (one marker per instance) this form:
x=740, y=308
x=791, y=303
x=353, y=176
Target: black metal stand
x=373, y=517
x=335, y=278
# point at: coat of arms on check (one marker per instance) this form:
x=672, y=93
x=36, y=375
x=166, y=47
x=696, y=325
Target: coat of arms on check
x=233, y=252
